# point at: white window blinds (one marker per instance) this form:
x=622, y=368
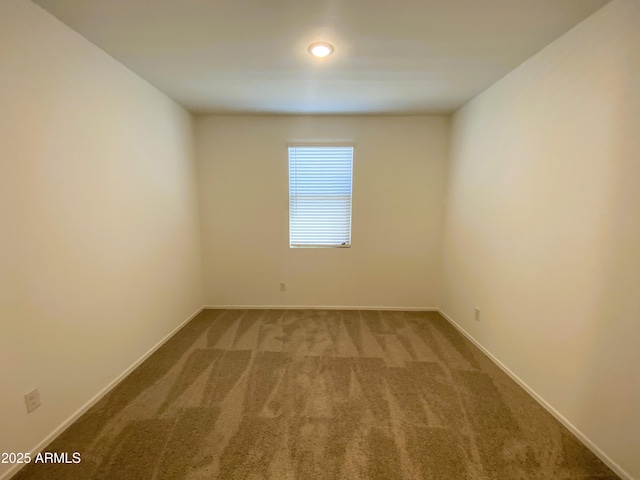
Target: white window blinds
x=320, y=196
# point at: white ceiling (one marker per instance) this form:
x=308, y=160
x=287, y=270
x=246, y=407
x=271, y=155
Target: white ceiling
x=391, y=56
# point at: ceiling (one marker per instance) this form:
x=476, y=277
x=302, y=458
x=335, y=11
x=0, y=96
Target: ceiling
x=391, y=56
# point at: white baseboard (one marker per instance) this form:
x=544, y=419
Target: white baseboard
x=572, y=428
x=317, y=307
x=58, y=430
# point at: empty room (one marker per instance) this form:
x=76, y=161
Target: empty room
x=341, y=240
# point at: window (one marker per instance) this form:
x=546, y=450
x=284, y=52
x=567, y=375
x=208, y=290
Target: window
x=320, y=196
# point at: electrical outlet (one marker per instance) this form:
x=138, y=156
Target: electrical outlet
x=283, y=287
x=32, y=400
x=477, y=314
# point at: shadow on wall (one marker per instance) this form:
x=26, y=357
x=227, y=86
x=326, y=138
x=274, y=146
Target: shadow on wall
x=614, y=380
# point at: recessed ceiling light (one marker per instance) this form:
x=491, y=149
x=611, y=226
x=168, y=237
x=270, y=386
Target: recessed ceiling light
x=320, y=49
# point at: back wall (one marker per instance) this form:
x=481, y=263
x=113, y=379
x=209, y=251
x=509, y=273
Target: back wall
x=398, y=180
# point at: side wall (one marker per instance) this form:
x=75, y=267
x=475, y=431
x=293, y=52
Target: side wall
x=398, y=184
x=542, y=227
x=100, y=254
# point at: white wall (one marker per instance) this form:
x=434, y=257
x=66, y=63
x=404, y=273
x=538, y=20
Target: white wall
x=398, y=181
x=542, y=226
x=99, y=241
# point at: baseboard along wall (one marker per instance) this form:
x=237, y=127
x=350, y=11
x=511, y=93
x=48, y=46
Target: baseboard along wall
x=546, y=405
x=581, y=436
x=319, y=307
x=78, y=413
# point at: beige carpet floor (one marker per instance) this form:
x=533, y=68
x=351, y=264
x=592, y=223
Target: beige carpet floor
x=308, y=394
